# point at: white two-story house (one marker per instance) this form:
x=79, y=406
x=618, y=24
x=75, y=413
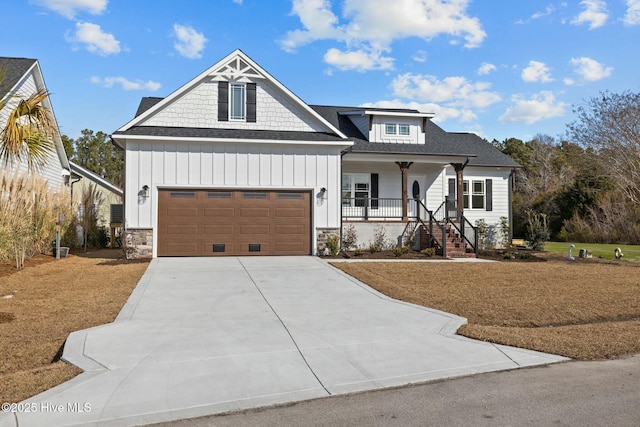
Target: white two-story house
x=234, y=163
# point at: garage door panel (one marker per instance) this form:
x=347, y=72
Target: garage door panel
x=219, y=212
x=254, y=212
x=219, y=229
x=255, y=229
x=289, y=229
x=182, y=212
x=233, y=222
x=190, y=248
x=288, y=247
x=186, y=230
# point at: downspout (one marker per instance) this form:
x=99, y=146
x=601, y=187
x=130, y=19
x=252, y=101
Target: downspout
x=71, y=185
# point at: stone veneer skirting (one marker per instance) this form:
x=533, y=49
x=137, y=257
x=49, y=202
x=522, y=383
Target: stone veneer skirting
x=322, y=234
x=138, y=243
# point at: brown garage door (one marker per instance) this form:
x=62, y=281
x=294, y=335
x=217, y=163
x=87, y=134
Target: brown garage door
x=218, y=222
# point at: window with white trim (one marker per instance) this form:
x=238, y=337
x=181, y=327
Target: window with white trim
x=402, y=129
x=477, y=195
x=237, y=101
x=390, y=128
x=356, y=189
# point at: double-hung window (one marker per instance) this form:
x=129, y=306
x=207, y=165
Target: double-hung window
x=237, y=101
x=402, y=129
x=355, y=189
x=476, y=198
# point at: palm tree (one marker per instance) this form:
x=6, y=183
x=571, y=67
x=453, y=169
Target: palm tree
x=29, y=131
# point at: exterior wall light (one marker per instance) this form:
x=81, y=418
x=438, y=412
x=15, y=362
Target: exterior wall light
x=145, y=191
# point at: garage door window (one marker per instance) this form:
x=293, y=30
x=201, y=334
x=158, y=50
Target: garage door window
x=218, y=195
x=182, y=194
x=254, y=195
x=296, y=196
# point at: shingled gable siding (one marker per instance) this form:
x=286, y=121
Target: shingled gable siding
x=225, y=165
x=199, y=109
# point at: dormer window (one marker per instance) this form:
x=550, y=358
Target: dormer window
x=237, y=101
x=390, y=128
x=401, y=129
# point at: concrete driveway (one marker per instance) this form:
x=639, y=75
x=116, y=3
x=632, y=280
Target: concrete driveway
x=206, y=335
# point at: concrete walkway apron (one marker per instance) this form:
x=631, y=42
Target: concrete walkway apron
x=206, y=335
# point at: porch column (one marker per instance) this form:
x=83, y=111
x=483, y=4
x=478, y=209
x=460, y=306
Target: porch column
x=404, y=169
x=459, y=167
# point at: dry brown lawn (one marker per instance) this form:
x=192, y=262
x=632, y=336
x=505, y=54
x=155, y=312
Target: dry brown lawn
x=582, y=310
x=42, y=304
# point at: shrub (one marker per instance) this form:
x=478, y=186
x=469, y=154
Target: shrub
x=349, y=236
x=537, y=230
x=374, y=248
x=333, y=244
x=358, y=252
x=380, y=238
x=505, y=230
x=409, y=237
x=401, y=250
x=482, y=229
x=428, y=252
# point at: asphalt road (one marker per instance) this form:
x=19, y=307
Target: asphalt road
x=601, y=393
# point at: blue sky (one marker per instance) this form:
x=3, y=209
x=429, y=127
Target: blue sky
x=499, y=68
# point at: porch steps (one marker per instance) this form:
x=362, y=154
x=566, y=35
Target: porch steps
x=456, y=248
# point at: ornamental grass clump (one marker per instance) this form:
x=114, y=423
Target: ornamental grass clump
x=28, y=215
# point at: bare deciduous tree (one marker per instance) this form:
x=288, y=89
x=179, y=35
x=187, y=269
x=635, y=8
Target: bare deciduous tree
x=610, y=124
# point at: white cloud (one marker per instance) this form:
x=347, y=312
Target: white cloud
x=420, y=56
x=69, y=8
x=452, y=91
x=358, y=60
x=190, y=42
x=486, y=68
x=595, y=14
x=94, y=39
x=590, y=69
x=373, y=25
x=126, y=84
x=548, y=11
x=536, y=72
x=632, y=17
x=540, y=106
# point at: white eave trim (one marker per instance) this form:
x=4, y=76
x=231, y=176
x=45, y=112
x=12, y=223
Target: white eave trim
x=117, y=138
x=387, y=113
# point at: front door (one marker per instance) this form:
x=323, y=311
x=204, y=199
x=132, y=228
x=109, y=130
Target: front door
x=416, y=190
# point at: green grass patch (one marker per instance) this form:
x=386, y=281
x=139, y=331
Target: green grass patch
x=599, y=250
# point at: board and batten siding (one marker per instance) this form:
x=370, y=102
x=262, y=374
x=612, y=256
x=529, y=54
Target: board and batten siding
x=240, y=165
x=198, y=108
x=52, y=169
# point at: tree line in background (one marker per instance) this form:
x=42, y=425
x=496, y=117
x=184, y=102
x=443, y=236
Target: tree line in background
x=586, y=186
x=95, y=152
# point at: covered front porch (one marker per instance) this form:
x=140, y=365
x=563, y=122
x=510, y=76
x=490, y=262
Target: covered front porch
x=409, y=197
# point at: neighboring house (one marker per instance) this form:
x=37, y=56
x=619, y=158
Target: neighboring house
x=233, y=163
x=22, y=77
x=82, y=178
